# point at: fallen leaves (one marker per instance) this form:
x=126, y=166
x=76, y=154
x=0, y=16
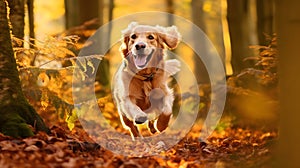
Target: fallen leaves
x=63, y=148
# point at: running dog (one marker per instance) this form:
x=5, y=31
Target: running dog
x=141, y=91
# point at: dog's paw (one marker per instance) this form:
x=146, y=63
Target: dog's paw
x=140, y=118
x=172, y=66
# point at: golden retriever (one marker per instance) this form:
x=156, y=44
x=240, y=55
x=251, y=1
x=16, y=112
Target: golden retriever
x=141, y=91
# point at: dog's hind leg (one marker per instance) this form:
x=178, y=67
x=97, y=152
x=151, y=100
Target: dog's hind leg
x=127, y=124
x=162, y=122
x=151, y=127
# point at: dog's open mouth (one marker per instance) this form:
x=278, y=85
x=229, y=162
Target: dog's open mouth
x=141, y=60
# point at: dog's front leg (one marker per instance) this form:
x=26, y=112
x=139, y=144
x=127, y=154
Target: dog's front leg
x=132, y=111
x=135, y=112
x=130, y=115
x=129, y=125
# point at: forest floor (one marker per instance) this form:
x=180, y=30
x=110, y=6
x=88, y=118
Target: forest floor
x=233, y=147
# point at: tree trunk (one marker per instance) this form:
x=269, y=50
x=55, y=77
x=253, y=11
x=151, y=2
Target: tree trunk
x=31, y=21
x=80, y=11
x=15, y=110
x=288, y=26
x=105, y=79
x=265, y=22
x=197, y=16
x=239, y=33
x=103, y=75
x=170, y=9
x=16, y=16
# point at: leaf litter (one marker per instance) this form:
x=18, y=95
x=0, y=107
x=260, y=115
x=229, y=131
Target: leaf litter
x=233, y=147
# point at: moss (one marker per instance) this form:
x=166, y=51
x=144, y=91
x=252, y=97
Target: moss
x=15, y=119
x=15, y=126
x=17, y=130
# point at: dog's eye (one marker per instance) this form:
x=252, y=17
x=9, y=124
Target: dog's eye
x=150, y=37
x=133, y=36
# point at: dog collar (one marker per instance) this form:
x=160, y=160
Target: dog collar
x=141, y=77
x=148, y=77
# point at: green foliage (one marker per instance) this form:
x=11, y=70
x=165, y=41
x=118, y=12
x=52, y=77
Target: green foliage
x=71, y=119
x=224, y=124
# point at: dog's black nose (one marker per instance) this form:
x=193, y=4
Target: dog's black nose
x=140, y=45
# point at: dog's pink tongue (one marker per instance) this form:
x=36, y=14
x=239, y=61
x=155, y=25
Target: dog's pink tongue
x=140, y=60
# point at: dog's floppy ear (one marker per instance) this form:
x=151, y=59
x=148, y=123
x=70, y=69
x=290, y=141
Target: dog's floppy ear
x=170, y=36
x=124, y=46
x=125, y=38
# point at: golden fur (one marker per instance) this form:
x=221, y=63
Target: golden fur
x=141, y=91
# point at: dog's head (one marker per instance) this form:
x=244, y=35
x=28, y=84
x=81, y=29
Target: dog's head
x=144, y=42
